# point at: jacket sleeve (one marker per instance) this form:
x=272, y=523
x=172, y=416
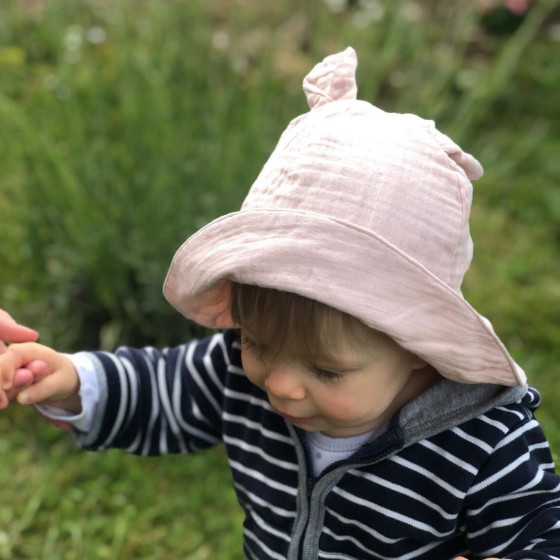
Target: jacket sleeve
x=156, y=402
x=513, y=507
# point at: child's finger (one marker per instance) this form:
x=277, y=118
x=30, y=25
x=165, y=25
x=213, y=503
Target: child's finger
x=32, y=373
x=23, y=377
x=18, y=356
x=51, y=388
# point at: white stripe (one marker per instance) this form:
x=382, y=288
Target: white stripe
x=230, y=367
x=209, y=364
x=516, y=413
x=236, y=370
x=449, y=456
x=268, y=550
x=163, y=449
x=471, y=439
x=255, y=499
x=132, y=387
x=517, y=433
x=498, y=475
x=155, y=408
x=406, y=491
x=236, y=419
x=124, y=398
x=429, y=475
x=251, y=399
x=504, y=544
x=166, y=405
x=511, y=521
x=499, y=524
x=177, y=412
x=195, y=374
x=365, y=528
x=519, y=493
x=266, y=527
x=393, y=514
x=372, y=553
x=258, y=451
x=262, y=478
x=496, y=423
x=135, y=445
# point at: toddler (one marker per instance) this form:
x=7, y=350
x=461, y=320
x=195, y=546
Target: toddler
x=368, y=411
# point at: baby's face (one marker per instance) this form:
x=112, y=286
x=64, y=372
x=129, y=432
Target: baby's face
x=350, y=394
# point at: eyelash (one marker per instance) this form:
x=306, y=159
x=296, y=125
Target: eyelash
x=326, y=375
x=251, y=346
x=247, y=342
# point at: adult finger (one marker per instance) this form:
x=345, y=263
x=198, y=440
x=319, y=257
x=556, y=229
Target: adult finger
x=11, y=331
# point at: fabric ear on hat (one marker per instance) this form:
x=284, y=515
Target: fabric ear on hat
x=332, y=79
x=466, y=162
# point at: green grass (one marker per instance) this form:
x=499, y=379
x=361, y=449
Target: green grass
x=127, y=125
x=58, y=502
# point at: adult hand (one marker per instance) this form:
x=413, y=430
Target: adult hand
x=11, y=331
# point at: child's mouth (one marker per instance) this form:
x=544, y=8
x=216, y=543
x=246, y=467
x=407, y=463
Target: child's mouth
x=300, y=420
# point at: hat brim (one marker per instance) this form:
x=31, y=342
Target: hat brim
x=348, y=268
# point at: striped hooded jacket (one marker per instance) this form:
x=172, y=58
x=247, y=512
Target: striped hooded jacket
x=461, y=470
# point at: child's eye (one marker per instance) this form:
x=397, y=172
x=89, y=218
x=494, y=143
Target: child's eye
x=246, y=342
x=250, y=345
x=326, y=374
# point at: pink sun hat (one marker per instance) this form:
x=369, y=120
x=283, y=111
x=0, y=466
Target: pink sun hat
x=365, y=211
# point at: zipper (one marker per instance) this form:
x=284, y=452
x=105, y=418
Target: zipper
x=322, y=486
x=312, y=492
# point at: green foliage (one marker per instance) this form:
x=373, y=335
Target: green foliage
x=127, y=125
x=57, y=504
x=120, y=150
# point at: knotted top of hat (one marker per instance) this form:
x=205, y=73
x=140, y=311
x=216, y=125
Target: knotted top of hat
x=333, y=79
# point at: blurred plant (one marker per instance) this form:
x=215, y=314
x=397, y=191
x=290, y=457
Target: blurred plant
x=118, y=154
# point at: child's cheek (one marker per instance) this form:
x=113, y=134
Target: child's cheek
x=253, y=369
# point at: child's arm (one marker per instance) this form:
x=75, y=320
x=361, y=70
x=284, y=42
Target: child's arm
x=58, y=384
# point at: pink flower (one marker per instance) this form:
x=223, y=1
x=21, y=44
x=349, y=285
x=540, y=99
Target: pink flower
x=517, y=6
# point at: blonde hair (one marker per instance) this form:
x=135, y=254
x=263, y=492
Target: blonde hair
x=287, y=323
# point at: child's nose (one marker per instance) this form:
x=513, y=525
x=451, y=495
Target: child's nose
x=283, y=382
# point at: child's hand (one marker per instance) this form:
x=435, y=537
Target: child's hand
x=56, y=381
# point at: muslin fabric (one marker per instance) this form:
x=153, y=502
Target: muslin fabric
x=361, y=209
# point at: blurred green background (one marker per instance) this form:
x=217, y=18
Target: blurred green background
x=127, y=125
